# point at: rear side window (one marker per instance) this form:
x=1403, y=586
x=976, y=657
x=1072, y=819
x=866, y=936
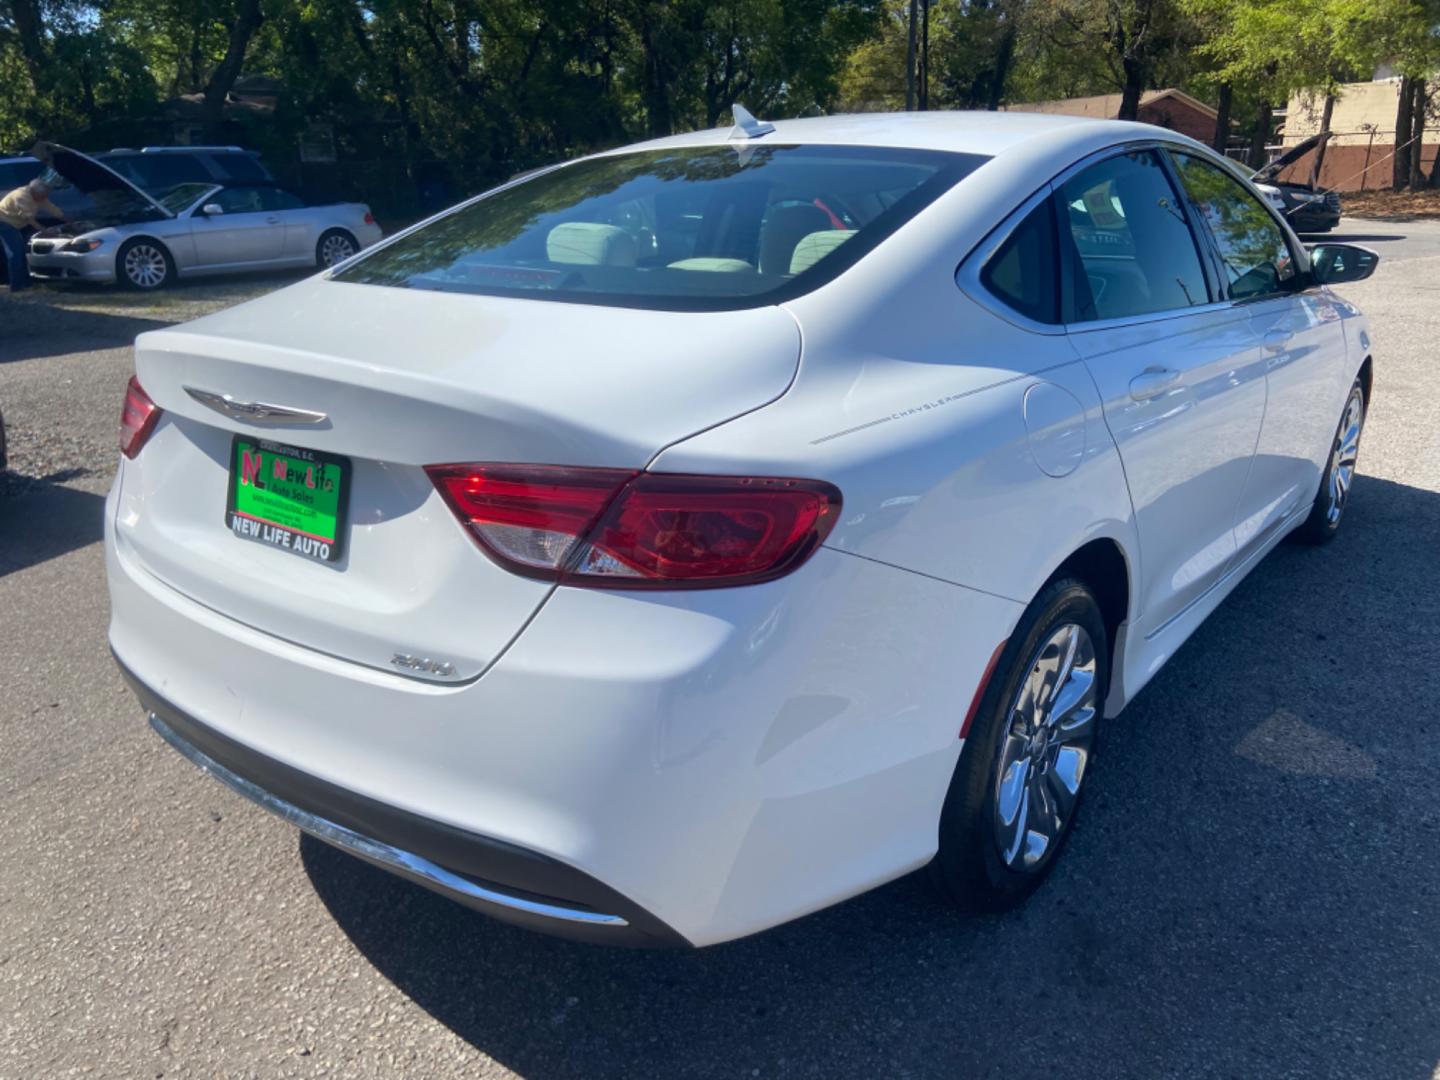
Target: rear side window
x=1258, y=261
x=692, y=228
x=1135, y=249
x=1024, y=272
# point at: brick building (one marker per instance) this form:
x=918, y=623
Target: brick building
x=1360, y=153
x=1173, y=109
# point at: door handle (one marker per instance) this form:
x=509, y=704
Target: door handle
x=272, y=221
x=1152, y=382
x=1277, y=339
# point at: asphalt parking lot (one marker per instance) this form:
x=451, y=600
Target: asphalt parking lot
x=1253, y=889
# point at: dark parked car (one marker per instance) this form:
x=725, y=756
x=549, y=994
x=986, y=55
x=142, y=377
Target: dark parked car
x=18, y=170
x=157, y=169
x=1308, y=209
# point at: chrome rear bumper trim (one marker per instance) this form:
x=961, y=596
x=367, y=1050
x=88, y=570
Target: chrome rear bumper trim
x=404, y=862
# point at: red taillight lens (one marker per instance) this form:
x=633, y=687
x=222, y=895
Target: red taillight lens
x=138, y=418
x=369, y=218
x=531, y=518
x=615, y=529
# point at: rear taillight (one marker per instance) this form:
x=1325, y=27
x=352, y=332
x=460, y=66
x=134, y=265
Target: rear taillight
x=610, y=528
x=138, y=418
x=369, y=218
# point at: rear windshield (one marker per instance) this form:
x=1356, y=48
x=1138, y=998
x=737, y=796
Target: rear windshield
x=692, y=228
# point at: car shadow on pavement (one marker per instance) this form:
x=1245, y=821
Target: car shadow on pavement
x=41, y=519
x=1252, y=889
x=30, y=330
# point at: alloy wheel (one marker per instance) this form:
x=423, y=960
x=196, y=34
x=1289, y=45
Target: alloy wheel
x=1045, y=749
x=145, y=266
x=335, y=248
x=1344, y=455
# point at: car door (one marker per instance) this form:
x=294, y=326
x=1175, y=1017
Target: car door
x=244, y=234
x=291, y=214
x=1301, y=339
x=1179, y=372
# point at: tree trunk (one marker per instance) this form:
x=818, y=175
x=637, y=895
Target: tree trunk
x=1400, y=173
x=1261, y=135
x=1003, y=56
x=30, y=30
x=1417, y=133
x=247, y=20
x=1134, y=87
x=1325, y=116
x=1222, y=118
x=910, y=55
x=924, y=54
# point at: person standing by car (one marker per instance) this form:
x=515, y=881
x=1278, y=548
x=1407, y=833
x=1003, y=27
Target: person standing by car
x=20, y=210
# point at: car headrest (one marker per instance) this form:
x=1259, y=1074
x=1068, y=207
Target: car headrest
x=783, y=229
x=811, y=249
x=713, y=264
x=589, y=243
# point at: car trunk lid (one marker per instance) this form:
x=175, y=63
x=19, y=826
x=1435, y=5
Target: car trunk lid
x=402, y=379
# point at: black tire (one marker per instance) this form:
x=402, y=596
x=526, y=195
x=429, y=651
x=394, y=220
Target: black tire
x=970, y=866
x=328, y=249
x=1328, y=509
x=155, y=270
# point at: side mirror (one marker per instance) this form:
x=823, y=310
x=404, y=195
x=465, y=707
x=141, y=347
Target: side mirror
x=212, y=209
x=1331, y=264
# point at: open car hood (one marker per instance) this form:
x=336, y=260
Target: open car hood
x=90, y=177
x=1294, y=154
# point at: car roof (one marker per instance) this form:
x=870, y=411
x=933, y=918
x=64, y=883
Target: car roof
x=152, y=150
x=971, y=132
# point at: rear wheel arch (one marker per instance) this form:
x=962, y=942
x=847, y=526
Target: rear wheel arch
x=1102, y=564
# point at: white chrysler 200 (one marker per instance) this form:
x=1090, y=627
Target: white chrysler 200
x=676, y=541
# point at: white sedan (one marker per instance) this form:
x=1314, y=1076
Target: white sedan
x=683, y=539
x=115, y=231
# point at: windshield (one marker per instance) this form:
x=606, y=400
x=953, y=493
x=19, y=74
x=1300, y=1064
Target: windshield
x=181, y=196
x=694, y=228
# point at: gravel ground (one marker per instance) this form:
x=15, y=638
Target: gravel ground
x=1253, y=889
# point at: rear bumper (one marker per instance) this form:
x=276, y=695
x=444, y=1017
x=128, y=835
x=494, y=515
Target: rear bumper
x=704, y=765
x=1316, y=218
x=500, y=879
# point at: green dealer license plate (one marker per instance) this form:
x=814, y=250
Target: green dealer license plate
x=288, y=498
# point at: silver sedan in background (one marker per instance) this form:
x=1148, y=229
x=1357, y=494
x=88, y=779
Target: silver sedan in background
x=114, y=231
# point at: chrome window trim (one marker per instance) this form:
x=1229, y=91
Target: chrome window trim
x=967, y=274
x=403, y=862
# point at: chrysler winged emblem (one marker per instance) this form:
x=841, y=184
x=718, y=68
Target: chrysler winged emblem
x=254, y=412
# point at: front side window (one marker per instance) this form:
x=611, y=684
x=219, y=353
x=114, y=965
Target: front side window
x=695, y=228
x=1258, y=261
x=240, y=200
x=1135, y=250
